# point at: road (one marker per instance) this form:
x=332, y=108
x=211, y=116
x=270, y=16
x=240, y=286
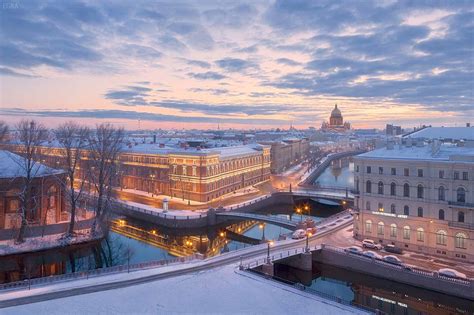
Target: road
x=249, y=254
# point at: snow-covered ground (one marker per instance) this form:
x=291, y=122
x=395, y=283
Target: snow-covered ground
x=33, y=244
x=222, y=290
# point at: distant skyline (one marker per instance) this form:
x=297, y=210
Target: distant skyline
x=239, y=64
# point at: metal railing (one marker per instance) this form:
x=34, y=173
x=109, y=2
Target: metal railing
x=27, y=283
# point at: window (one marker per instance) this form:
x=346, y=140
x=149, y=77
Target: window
x=393, y=189
x=461, y=195
x=357, y=168
x=420, y=235
x=368, y=187
x=367, y=205
x=456, y=175
x=420, y=172
x=441, y=193
x=380, y=188
x=460, y=240
x=406, y=210
x=406, y=172
x=419, y=191
x=406, y=190
x=357, y=185
x=369, y=169
x=380, y=170
x=441, y=174
x=194, y=171
x=393, y=171
x=52, y=197
x=406, y=232
x=420, y=212
x=13, y=206
x=380, y=207
x=393, y=230
x=460, y=216
x=441, y=214
x=392, y=208
x=380, y=228
x=368, y=226
x=465, y=176
x=441, y=237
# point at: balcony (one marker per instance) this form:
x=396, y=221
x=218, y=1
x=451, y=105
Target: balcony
x=458, y=204
x=463, y=225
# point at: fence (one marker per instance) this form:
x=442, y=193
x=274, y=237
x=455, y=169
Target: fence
x=93, y=273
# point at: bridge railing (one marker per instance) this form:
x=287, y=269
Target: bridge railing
x=27, y=283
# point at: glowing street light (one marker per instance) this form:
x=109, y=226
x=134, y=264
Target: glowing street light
x=269, y=243
x=262, y=227
x=298, y=210
x=308, y=235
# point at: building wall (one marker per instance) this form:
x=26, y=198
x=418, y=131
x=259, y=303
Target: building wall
x=47, y=205
x=287, y=153
x=441, y=236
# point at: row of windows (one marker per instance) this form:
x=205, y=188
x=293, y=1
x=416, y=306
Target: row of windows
x=420, y=191
x=420, y=172
x=406, y=211
x=460, y=239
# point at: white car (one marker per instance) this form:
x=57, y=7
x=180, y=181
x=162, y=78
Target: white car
x=391, y=259
x=354, y=250
x=372, y=254
x=367, y=243
x=298, y=234
x=451, y=273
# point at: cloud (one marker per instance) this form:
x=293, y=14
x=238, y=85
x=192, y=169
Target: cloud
x=209, y=75
x=235, y=64
x=199, y=63
x=287, y=62
x=9, y=72
x=210, y=91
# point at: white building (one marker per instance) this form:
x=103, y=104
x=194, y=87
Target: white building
x=418, y=196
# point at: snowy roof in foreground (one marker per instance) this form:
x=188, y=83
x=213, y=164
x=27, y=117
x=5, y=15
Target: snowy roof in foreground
x=446, y=152
x=12, y=165
x=454, y=133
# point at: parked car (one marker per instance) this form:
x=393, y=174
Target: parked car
x=354, y=250
x=451, y=273
x=392, y=260
x=371, y=244
x=393, y=249
x=372, y=254
x=298, y=234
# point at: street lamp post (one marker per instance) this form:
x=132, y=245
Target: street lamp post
x=298, y=210
x=308, y=234
x=262, y=226
x=270, y=243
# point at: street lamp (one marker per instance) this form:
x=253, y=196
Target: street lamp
x=298, y=210
x=262, y=227
x=269, y=243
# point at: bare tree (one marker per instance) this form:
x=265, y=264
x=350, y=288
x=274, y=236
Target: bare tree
x=3, y=131
x=72, y=139
x=30, y=136
x=105, y=144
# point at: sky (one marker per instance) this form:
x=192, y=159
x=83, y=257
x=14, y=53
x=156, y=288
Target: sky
x=237, y=64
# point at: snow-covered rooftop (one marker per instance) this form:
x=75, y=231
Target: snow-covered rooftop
x=13, y=165
x=453, y=133
x=446, y=152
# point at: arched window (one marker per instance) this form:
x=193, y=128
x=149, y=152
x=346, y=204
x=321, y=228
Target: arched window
x=368, y=226
x=420, y=212
x=393, y=230
x=367, y=205
x=441, y=214
x=460, y=216
x=380, y=228
x=368, y=187
x=441, y=193
x=406, y=190
x=461, y=195
x=393, y=189
x=420, y=191
x=420, y=235
x=380, y=188
x=406, y=232
x=52, y=197
x=460, y=240
x=441, y=237
x=406, y=210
